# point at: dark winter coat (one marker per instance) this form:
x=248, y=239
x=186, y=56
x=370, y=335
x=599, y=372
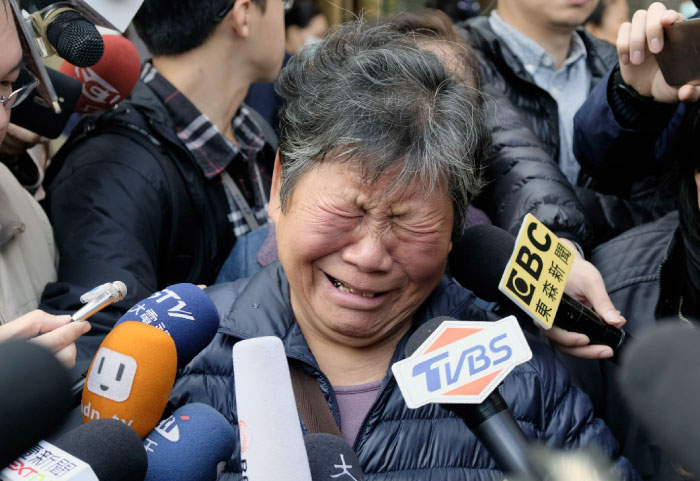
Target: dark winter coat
x=394, y=442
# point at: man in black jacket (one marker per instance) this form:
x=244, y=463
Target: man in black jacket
x=538, y=66
x=156, y=191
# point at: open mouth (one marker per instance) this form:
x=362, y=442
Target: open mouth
x=340, y=286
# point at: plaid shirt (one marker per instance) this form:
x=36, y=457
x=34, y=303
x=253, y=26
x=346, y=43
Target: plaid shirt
x=214, y=153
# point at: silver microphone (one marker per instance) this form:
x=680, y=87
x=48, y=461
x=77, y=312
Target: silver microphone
x=98, y=298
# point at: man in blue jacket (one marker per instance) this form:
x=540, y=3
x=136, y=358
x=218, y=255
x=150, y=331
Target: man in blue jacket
x=377, y=163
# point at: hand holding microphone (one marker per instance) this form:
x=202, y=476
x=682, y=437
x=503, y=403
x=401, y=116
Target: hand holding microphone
x=479, y=260
x=55, y=333
x=98, y=298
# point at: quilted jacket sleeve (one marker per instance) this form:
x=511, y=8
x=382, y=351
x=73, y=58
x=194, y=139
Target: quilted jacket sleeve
x=551, y=409
x=523, y=178
x=107, y=206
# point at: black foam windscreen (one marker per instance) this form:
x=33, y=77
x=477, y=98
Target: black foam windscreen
x=330, y=457
x=424, y=332
x=660, y=380
x=112, y=449
x=479, y=258
x=35, y=396
x=75, y=39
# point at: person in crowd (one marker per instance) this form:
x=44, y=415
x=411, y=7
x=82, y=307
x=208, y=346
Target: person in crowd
x=156, y=191
x=25, y=262
x=27, y=251
x=606, y=19
x=304, y=24
x=365, y=214
x=537, y=66
x=652, y=271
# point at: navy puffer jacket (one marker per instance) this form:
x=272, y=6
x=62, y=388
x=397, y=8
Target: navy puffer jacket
x=395, y=442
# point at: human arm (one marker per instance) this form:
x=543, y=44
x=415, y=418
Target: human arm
x=56, y=333
x=627, y=127
x=106, y=205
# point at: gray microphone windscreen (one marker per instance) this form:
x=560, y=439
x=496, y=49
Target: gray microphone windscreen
x=660, y=380
x=331, y=458
x=112, y=449
x=35, y=395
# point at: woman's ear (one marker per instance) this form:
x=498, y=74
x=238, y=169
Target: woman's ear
x=275, y=207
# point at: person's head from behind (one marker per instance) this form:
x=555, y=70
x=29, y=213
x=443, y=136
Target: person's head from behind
x=546, y=16
x=432, y=30
x=606, y=19
x=250, y=30
x=10, y=62
x=304, y=24
x=379, y=148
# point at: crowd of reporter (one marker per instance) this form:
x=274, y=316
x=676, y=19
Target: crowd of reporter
x=393, y=138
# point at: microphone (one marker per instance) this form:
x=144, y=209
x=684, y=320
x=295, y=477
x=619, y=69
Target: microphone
x=35, y=396
x=478, y=261
x=660, y=380
x=110, y=80
x=475, y=357
x=64, y=31
x=131, y=377
x=185, y=312
x=98, y=298
x=197, y=433
x=272, y=446
x=330, y=457
x=104, y=450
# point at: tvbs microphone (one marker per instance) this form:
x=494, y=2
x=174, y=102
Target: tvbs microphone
x=189, y=445
x=35, y=396
x=110, y=80
x=459, y=365
x=185, y=312
x=330, y=457
x=478, y=262
x=60, y=29
x=131, y=377
x=272, y=445
x=660, y=380
x=105, y=450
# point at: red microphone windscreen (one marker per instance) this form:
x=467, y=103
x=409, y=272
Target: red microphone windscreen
x=110, y=80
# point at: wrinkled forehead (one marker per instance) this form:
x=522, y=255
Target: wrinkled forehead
x=11, y=51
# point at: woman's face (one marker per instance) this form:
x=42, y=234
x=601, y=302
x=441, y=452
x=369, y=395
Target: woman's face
x=360, y=260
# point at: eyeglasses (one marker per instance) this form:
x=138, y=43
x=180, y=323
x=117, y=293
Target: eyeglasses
x=20, y=95
x=286, y=4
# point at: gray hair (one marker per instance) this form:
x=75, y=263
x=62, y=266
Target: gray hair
x=371, y=94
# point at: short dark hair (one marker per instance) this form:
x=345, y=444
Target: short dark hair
x=172, y=27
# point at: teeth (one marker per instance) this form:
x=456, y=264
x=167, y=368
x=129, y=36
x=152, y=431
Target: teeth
x=344, y=288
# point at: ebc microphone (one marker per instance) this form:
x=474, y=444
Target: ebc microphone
x=331, y=458
x=459, y=364
x=185, y=312
x=480, y=258
x=272, y=446
x=104, y=450
x=35, y=395
x=189, y=445
x=131, y=377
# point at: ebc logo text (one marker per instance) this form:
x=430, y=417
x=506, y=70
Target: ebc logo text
x=462, y=362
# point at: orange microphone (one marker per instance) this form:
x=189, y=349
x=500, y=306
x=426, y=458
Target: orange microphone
x=131, y=377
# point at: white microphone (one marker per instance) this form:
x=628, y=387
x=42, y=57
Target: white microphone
x=272, y=444
x=98, y=298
